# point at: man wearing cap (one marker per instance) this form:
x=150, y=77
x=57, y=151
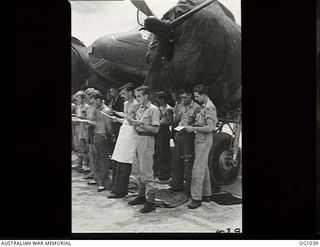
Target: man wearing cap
x=205, y=124
x=147, y=126
x=125, y=147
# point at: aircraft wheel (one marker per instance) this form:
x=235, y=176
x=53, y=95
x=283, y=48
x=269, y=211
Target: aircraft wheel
x=222, y=171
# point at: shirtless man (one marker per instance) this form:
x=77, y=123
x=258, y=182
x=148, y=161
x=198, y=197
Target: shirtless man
x=125, y=146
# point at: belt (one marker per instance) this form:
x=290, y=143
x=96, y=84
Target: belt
x=140, y=133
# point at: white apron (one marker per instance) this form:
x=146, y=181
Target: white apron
x=125, y=146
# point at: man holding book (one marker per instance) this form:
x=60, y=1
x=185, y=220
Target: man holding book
x=147, y=126
x=205, y=124
x=183, y=152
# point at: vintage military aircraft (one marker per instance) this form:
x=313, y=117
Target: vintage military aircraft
x=196, y=41
x=118, y=58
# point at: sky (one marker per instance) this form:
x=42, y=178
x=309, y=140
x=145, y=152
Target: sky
x=91, y=20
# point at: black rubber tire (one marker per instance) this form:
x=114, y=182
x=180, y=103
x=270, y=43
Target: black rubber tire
x=218, y=175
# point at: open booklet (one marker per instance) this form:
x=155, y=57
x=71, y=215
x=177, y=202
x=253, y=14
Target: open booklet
x=79, y=120
x=109, y=116
x=120, y=114
x=179, y=128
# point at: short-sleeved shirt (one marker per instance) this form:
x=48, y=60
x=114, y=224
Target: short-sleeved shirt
x=187, y=114
x=149, y=114
x=208, y=111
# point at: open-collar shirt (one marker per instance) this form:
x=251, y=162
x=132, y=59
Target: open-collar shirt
x=148, y=114
x=187, y=114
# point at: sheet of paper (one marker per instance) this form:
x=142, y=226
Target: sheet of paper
x=111, y=117
x=76, y=119
x=90, y=122
x=120, y=114
x=179, y=128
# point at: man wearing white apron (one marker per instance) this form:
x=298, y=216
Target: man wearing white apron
x=125, y=146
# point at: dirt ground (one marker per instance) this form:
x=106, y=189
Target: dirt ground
x=94, y=212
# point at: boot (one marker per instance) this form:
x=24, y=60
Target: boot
x=101, y=188
x=194, y=204
x=148, y=207
x=93, y=182
x=85, y=170
x=139, y=200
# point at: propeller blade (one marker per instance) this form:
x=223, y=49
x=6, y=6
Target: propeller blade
x=178, y=21
x=142, y=6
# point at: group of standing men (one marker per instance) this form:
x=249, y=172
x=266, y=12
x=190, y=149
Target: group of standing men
x=141, y=132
